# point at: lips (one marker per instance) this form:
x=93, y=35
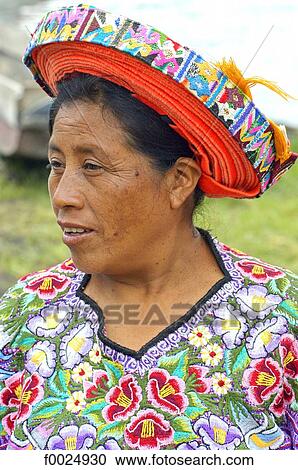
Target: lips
x=74, y=233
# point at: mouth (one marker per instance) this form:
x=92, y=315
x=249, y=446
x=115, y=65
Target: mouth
x=73, y=235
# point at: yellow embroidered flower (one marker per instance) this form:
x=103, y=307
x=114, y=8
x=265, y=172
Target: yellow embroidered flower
x=82, y=372
x=221, y=383
x=199, y=336
x=208, y=71
x=76, y=402
x=95, y=354
x=212, y=354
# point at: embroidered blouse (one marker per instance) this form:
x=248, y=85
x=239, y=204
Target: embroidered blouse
x=222, y=376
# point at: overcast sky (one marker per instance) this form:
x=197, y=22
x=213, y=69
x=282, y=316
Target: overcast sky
x=261, y=36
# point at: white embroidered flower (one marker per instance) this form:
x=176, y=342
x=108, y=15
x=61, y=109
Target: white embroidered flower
x=226, y=111
x=221, y=383
x=199, y=336
x=82, y=372
x=95, y=354
x=76, y=402
x=212, y=354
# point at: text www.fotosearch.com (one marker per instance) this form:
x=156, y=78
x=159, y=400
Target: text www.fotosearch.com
x=81, y=459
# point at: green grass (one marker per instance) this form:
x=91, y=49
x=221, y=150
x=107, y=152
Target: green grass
x=30, y=239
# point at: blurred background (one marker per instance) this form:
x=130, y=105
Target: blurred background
x=260, y=36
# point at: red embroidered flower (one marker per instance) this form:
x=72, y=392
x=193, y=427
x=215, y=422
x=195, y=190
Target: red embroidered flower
x=202, y=384
x=288, y=350
x=238, y=253
x=166, y=392
x=262, y=378
x=20, y=393
x=48, y=286
x=68, y=265
x=100, y=382
x=257, y=271
x=125, y=399
x=284, y=397
x=148, y=430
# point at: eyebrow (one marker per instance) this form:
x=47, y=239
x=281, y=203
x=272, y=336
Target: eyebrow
x=77, y=149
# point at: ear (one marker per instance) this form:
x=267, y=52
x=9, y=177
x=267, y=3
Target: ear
x=182, y=178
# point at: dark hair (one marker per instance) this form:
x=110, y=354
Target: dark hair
x=147, y=131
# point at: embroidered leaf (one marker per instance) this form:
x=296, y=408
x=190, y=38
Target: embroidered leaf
x=47, y=408
x=210, y=401
x=115, y=430
x=114, y=371
x=183, y=429
x=283, y=284
x=176, y=365
x=24, y=340
x=93, y=412
x=31, y=302
x=288, y=308
x=58, y=383
x=235, y=360
x=195, y=407
x=182, y=423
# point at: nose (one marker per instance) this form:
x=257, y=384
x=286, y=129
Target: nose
x=66, y=191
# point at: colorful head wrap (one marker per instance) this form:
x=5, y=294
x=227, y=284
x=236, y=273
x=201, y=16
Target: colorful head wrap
x=241, y=153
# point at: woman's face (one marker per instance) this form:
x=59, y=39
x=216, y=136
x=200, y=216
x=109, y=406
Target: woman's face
x=99, y=184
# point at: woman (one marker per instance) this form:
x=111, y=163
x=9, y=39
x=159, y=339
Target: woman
x=153, y=334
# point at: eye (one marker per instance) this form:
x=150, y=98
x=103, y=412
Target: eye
x=92, y=166
x=53, y=164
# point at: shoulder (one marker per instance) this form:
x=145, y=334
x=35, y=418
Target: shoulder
x=33, y=292
x=266, y=298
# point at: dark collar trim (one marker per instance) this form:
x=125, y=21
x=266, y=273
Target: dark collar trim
x=170, y=328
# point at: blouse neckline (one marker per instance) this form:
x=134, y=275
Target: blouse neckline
x=165, y=332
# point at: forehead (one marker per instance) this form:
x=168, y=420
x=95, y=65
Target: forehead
x=80, y=123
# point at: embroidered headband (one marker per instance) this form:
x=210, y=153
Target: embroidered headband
x=241, y=153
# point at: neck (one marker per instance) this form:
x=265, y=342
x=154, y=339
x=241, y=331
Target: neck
x=163, y=269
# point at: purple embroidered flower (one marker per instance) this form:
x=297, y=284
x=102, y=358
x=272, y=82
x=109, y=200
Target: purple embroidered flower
x=73, y=438
x=51, y=321
x=234, y=97
x=217, y=433
x=256, y=302
x=75, y=344
x=110, y=444
x=230, y=325
x=192, y=445
x=41, y=358
x=265, y=337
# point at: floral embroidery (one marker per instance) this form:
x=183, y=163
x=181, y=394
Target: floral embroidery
x=41, y=358
x=73, y=438
x=48, y=286
x=76, y=402
x=256, y=302
x=263, y=378
x=82, y=372
x=212, y=354
x=225, y=378
x=148, y=430
x=166, y=392
x=289, y=355
x=257, y=271
x=95, y=354
x=201, y=384
x=21, y=393
x=99, y=384
x=217, y=434
x=221, y=383
x=124, y=398
x=199, y=336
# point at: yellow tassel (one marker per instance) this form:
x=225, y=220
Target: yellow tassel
x=281, y=142
x=230, y=69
